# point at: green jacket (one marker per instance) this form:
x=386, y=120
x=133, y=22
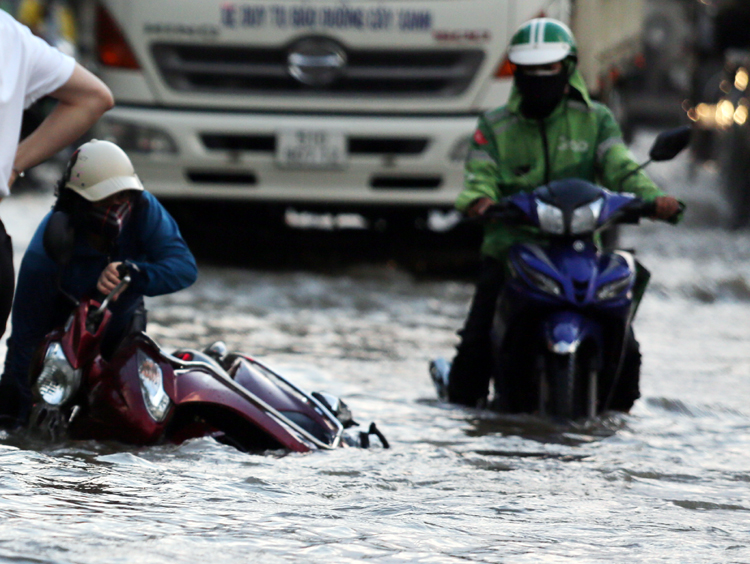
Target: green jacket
x=510, y=154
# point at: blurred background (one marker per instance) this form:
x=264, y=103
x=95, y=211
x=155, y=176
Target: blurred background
x=335, y=132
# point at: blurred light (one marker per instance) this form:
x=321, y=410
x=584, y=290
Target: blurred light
x=740, y=115
x=725, y=113
x=705, y=110
x=725, y=86
x=741, y=80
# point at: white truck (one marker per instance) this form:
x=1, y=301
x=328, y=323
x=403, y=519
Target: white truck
x=332, y=106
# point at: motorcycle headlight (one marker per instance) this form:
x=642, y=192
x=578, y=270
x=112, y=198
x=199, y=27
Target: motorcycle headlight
x=152, y=387
x=613, y=289
x=550, y=218
x=542, y=281
x=585, y=218
x=58, y=381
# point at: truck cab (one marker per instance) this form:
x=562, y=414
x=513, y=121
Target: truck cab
x=323, y=105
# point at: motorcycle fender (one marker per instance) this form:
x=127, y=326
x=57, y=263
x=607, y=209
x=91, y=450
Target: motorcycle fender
x=564, y=332
x=196, y=386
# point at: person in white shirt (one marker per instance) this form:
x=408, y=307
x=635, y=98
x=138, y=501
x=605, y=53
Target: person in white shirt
x=29, y=70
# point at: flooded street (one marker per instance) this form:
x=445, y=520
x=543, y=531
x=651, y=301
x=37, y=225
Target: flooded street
x=668, y=483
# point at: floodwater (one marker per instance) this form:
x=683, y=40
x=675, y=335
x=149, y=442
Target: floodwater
x=668, y=483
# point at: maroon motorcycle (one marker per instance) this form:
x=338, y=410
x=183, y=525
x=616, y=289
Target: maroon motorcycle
x=143, y=395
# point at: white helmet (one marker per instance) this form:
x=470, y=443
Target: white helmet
x=99, y=169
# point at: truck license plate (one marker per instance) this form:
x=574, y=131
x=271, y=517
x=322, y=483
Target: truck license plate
x=311, y=148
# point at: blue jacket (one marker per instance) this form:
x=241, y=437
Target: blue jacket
x=151, y=240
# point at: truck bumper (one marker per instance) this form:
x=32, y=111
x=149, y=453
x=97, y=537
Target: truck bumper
x=390, y=160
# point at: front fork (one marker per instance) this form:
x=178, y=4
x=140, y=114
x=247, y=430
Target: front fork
x=52, y=422
x=564, y=358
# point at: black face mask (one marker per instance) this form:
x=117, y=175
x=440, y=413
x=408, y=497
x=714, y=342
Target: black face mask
x=108, y=222
x=540, y=95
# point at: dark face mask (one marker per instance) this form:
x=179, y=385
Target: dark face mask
x=107, y=222
x=540, y=94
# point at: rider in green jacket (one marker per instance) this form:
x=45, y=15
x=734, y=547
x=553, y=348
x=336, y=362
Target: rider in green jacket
x=549, y=130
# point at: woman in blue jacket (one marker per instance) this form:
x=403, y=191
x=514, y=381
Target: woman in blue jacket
x=114, y=220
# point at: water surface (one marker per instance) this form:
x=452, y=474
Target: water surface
x=667, y=483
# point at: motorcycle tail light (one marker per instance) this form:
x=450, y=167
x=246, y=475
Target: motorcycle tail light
x=58, y=381
x=152, y=387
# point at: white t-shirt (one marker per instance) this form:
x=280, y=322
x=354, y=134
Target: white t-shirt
x=29, y=69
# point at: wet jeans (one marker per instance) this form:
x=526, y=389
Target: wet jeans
x=472, y=366
x=7, y=277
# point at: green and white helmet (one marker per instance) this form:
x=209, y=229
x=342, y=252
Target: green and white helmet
x=542, y=41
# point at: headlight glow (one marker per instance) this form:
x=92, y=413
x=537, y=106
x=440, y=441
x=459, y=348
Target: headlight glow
x=586, y=217
x=58, y=381
x=152, y=387
x=550, y=218
x=613, y=289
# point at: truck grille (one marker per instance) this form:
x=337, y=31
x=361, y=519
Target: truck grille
x=257, y=70
x=356, y=145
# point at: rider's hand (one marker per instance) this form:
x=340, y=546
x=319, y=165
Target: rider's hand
x=109, y=279
x=478, y=207
x=666, y=207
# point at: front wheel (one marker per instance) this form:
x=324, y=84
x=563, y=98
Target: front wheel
x=569, y=386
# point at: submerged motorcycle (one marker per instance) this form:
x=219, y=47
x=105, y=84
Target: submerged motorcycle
x=143, y=395
x=562, y=325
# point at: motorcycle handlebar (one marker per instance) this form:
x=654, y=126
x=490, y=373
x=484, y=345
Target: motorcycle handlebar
x=124, y=272
x=632, y=213
x=640, y=209
x=502, y=211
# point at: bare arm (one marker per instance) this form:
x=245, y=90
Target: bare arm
x=81, y=102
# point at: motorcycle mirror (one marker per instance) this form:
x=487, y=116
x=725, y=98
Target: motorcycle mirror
x=670, y=143
x=59, y=238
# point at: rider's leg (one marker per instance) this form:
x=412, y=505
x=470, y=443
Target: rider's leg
x=627, y=390
x=7, y=277
x=472, y=366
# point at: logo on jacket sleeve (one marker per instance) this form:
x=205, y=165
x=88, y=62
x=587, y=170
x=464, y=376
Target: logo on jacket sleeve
x=479, y=138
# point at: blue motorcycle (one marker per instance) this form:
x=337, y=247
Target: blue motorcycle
x=562, y=335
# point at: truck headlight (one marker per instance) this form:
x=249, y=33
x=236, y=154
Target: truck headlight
x=58, y=381
x=152, y=387
x=460, y=150
x=135, y=138
x=585, y=218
